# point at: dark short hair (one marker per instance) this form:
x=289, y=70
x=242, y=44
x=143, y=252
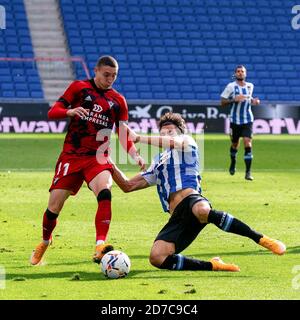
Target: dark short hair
x=239, y=67
x=107, y=61
x=172, y=118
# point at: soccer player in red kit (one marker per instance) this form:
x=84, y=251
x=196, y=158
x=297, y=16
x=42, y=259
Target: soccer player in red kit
x=93, y=107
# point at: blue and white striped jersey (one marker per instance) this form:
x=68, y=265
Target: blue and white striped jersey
x=174, y=170
x=240, y=112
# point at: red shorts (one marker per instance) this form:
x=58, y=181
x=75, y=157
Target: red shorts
x=72, y=170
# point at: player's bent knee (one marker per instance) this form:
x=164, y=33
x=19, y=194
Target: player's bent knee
x=201, y=210
x=157, y=260
x=55, y=207
x=104, y=194
x=55, y=210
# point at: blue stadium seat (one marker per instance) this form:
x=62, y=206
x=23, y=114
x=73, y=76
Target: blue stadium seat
x=159, y=95
x=23, y=94
x=150, y=95
x=266, y=82
x=7, y=86
x=8, y=94
x=172, y=96
x=202, y=96
x=295, y=97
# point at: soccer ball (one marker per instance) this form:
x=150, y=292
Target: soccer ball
x=115, y=264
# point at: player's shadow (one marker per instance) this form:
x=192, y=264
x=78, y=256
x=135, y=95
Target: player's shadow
x=180, y=274
x=78, y=276
x=68, y=275
x=143, y=275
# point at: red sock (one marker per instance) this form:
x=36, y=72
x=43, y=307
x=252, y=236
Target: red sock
x=49, y=223
x=102, y=219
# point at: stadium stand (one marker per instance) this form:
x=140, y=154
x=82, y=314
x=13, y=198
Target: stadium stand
x=167, y=49
x=186, y=50
x=18, y=79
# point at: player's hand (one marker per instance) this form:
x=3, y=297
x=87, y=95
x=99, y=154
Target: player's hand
x=79, y=111
x=240, y=98
x=140, y=162
x=255, y=101
x=132, y=135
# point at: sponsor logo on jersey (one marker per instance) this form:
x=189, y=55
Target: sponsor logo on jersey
x=97, y=108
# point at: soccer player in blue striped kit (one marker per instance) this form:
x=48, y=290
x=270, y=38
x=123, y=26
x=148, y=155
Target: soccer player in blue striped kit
x=238, y=95
x=175, y=172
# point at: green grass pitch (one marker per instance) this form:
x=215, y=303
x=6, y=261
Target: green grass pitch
x=270, y=204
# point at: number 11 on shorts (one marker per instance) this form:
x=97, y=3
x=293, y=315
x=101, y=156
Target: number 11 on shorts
x=65, y=168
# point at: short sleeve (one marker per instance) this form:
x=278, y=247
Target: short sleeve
x=227, y=93
x=149, y=175
x=189, y=143
x=251, y=90
x=123, y=113
x=70, y=94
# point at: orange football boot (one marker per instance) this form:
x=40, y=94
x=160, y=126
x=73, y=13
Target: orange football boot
x=219, y=265
x=37, y=254
x=100, y=251
x=273, y=245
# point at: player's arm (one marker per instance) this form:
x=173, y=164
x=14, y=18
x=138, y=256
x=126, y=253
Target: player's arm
x=254, y=101
x=179, y=142
x=60, y=108
x=127, y=144
x=128, y=185
x=225, y=102
x=162, y=141
x=228, y=97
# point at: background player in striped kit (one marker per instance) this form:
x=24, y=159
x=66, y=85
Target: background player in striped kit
x=175, y=172
x=238, y=94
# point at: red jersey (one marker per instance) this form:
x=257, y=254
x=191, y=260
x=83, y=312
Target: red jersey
x=106, y=108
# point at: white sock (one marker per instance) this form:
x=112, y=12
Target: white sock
x=99, y=242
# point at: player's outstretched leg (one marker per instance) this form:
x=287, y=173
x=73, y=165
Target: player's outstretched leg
x=273, y=245
x=228, y=223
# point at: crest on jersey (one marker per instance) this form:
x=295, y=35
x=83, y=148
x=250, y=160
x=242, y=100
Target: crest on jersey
x=110, y=103
x=164, y=157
